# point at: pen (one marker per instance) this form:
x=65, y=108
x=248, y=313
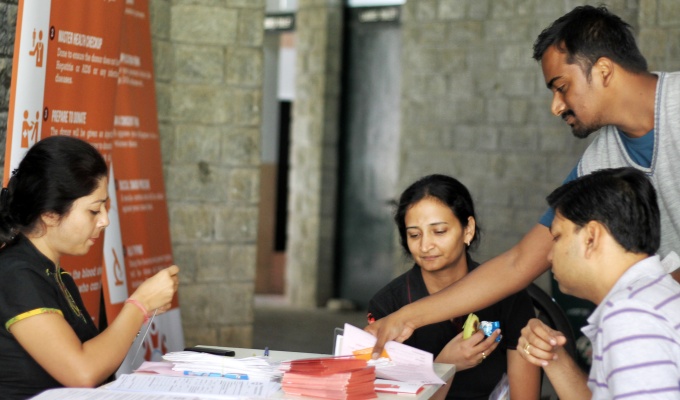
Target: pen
x=239, y=377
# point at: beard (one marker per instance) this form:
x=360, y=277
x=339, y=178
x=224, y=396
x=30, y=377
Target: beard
x=580, y=131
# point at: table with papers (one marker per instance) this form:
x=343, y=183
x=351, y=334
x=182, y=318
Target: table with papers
x=154, y=390
x=443, y=371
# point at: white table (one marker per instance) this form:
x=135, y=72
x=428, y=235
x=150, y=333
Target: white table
x=444, y=371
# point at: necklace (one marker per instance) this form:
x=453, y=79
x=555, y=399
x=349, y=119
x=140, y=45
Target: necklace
x=72, y=304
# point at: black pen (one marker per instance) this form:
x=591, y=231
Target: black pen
x=210, y=350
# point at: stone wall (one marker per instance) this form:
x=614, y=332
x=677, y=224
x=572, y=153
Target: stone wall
x=209, y=72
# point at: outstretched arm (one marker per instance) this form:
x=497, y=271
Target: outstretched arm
x=487, y=284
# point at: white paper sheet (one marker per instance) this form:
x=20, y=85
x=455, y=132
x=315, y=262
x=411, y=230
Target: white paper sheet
x=408, y=364
x=195, y=385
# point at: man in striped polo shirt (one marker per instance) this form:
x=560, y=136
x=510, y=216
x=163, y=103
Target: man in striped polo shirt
x=606, y=233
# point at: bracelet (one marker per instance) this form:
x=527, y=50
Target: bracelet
x=141, y=308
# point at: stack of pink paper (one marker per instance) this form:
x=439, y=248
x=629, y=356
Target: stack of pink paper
x=343, y=378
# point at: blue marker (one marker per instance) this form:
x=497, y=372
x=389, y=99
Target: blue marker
x=266, y=351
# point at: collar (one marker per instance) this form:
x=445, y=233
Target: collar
x=650, y=266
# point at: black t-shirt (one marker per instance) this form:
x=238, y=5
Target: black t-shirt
x=28, y=286
x=513, y=313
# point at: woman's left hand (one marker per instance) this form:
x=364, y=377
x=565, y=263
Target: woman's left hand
x=156, y=292
x=470, y=352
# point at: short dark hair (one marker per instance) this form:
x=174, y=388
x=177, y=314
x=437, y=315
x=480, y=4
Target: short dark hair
x=587, y=33
x=54, y=173
x=622, y=199
x=449, y=191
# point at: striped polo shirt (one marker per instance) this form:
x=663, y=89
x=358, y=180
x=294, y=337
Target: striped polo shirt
x=635, y=333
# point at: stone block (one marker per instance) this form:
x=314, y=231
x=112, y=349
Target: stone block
x=159, y=18
x=498, y=110
x=237, y=336
x=559, y=167
x=465, y=111
x=502, y=9
x=250, y=26
x=426, y=10
x=5, y=82
x=236, y=224
x=423, y=35
x=483, y=62
x=198, y=333
x=528, y=167
x=211, y=25
x=519, y=110
x=8, y=22
x=217, y=304
x=511, y=30
x=222, y=262
x=163, y=101
x=652, y=43
x=478, y=9
x=513, y=56
x=459, y=137
x=648, y=12
x=201, y=104
x=163, y=60
x=452, y=9
x=195, y=143
x=190, y=222
x=240, y=147
x=199, y=181
x=461, y=86
x=426, y=87
x=244, y=66
x=555, y=139
x=518, y=83
x=243, y=3
x=519, y=139
x=244, y=186
x=185, y=256
x=525, y=219
x=465, y=34
x=673, y=50
x=198, y=64
x=245, y=106
x=166, y=133
x=527, y=7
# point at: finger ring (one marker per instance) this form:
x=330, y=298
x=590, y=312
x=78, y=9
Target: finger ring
x=483, y=356
x=526, y=349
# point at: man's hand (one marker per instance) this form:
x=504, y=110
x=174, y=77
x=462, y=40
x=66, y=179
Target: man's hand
x=539, y=344
x=391, y=327
x=470, y=352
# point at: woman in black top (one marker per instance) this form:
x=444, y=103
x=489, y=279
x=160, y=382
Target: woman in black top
x=437, y=226
x=55, y=205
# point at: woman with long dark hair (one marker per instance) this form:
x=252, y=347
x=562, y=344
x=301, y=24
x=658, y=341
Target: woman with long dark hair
x=55, y=205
